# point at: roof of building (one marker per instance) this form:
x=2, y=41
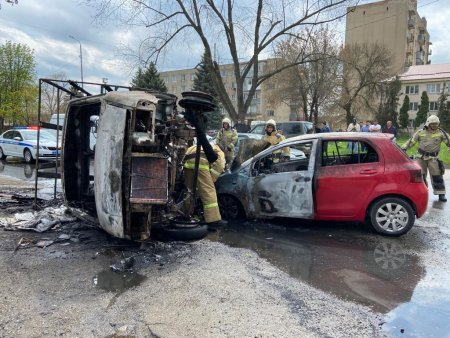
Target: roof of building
x=426, y=72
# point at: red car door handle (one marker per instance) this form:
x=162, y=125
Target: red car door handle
x=368, y=171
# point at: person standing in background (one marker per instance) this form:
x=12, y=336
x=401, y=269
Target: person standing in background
x=324, y=128
x=390, y=129
x=365, y=128
x=375, y=127
x=354, y=126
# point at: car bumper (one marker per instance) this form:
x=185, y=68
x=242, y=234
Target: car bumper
x=47, y=154
x=420, y=200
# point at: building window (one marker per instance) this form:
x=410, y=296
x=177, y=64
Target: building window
x=434, y=88
x=223, y=73
x=233, y=97
x=192, y=77
x=165, y=79
x=183, y=77
x=413, y=106
x=270, y=113
x=174, y=78
x=414, y=89
x=433, y=106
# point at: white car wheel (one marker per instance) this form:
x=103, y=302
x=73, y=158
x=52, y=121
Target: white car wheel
x=27, y=156
x=2, y=154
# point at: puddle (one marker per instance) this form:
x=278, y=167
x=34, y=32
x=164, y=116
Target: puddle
x=428, y=312
x=374, y=271
x=117, y=282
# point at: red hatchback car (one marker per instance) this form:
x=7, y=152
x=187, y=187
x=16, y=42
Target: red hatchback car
x=329, y=176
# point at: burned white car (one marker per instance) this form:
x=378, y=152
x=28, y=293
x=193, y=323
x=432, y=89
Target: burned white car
x=131, y=182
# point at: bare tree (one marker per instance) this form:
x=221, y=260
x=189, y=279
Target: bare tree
x=241, y=30
x=11, y=2
x=52, y=102
x=309, y=87
x=366, y=67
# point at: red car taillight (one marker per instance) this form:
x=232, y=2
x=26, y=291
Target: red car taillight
x=416, y=176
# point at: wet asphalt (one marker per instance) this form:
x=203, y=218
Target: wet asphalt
x=406, y=279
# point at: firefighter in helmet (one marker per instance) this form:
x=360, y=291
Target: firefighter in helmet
x=430, y=139
x=273, y=136
x=227, y=138
x=207, y=175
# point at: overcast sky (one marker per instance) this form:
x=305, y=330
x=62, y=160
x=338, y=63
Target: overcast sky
x=46, y=27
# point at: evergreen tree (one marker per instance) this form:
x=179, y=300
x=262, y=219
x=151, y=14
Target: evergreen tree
x=443, y=111
x=403, y=116
x=422, y=113
x=149, y=79
x=387, y=110
x=203, y=82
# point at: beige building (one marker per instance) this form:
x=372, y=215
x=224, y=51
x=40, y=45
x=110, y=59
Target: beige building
x=397, y=24
x=430, y=78
x=261, y=108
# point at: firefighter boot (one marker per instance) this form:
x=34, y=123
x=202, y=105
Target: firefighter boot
x=442, y=198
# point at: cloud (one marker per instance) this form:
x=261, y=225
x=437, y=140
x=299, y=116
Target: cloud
x=110, y=50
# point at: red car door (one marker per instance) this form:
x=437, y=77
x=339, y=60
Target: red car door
x=346, y=179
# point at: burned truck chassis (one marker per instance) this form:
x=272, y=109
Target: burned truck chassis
x=131, y=179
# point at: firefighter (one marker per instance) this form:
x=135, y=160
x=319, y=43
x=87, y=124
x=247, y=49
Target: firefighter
x=227, y=138
x=207, y=175
x=430, y=139
x=273, y=136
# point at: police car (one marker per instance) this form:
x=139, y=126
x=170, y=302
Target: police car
x=22, y=142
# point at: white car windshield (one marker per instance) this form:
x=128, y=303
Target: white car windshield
x=32, y=135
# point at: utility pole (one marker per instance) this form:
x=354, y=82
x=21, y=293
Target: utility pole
x=81, y=58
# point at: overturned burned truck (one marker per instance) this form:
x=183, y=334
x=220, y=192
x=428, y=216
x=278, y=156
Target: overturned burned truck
x=130, y=180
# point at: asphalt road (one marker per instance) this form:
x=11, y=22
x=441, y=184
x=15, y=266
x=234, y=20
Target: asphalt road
x=252, y=279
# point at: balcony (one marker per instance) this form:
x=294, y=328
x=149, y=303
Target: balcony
x=421, y=38
x=410, y=38
x=411, y=23
x=430, y=52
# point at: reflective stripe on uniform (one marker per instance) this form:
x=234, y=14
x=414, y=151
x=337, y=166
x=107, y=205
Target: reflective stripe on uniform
x=189, y=165
x=192, y=156
x=215, y=172
x=211, y=205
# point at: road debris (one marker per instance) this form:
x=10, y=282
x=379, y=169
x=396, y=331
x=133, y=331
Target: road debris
x=126, y=264
x=39, y=221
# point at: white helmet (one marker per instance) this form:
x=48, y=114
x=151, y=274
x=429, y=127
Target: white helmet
x=271, y=122
x=226, y=120
x=432, y=119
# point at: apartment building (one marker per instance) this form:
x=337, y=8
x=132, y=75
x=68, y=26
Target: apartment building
x=395, y=23
x=261, y=108
x=430, y=78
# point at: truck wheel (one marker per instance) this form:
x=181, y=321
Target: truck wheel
x=180, y=232
x=27, y=156
x=392, y=216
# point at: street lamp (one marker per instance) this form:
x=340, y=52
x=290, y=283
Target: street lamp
x=81, y=58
